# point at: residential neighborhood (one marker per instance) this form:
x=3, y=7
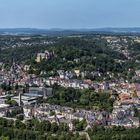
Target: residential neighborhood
x=52, y=88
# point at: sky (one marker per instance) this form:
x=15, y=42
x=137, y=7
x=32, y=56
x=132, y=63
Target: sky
x=69, y=14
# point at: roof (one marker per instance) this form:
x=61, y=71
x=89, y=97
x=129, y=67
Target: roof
x=24, y=97
x=4, y=105
x=32, y=95
x=137, y=86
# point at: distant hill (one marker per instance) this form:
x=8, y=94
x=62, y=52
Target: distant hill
x=57, y=31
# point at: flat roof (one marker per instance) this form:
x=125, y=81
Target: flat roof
x=32, y=95
x=25, y=97
x=4, y=105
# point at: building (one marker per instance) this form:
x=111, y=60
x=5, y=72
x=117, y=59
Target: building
x=41, y=56
x=3, y=109
x=25, y=100
x=77, y=72
x=40, y=91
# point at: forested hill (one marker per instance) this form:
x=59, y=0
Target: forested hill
x=90, y=53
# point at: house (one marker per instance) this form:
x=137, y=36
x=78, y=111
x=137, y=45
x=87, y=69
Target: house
x=138, y=73
x=136, y=88
x=77, y=72
x=28, y=111
x=26, y=68
x=3, y=109
x=135, y=121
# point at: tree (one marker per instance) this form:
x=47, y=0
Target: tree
x=54, y=127
x=19, y=125
x=63, y=127
x=5, y=138
x=16, y=86
x=79, y=125
x=20, y=117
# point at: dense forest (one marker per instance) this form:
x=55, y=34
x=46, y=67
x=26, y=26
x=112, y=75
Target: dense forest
x=114, y=133
x=35, y=130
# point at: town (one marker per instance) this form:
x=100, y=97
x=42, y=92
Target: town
x=26, y=92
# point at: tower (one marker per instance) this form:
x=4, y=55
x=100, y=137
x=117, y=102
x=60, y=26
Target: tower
x=19, y=102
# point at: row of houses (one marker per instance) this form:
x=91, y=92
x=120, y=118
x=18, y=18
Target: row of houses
x=56, y=113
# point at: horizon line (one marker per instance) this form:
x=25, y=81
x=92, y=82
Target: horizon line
x=86, y=28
